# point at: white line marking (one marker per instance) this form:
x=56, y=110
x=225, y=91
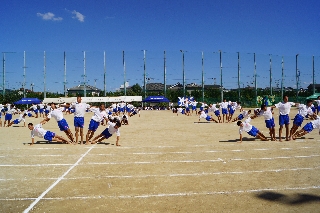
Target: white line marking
x=261, y=149
x=56, y=182
x=179, y=194
x=57, y=164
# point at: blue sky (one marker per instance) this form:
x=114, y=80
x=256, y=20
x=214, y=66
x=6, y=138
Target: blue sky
x=280, y=28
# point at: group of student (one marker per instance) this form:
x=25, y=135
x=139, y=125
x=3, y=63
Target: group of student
x=113, y=117
x=224, y=114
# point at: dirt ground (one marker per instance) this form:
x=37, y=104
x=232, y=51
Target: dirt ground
x=167, y=163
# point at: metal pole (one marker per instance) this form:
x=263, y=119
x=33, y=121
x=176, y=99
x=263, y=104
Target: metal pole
x=183, y=75
x=239, y=76
x=297, y=78
x=144, y=74
x=270, y=75
x=3, y=75
x=164, y=74
x=313, y=80
x=282, y=72
x=84, y=75
x=105, y=72
x=202, y=78
x=221, y=84
x=24, y=74
x=255, y=78
x=44, y=75
x=124, y=74
x=65, y=73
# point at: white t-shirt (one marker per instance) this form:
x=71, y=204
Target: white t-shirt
x=316, y=123
x=21, y=118
x=284, y=108
x=246, y=126
x=304, y=110
x=224, y=105
x=80, y=109
x=56, y=114
x=38, y=131
x=203, y=115
x=266, y=114
x=113, y=130
x=41, y=106
x=98, y=114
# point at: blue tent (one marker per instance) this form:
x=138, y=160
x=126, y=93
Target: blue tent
x=156, y=99
x=28, y=101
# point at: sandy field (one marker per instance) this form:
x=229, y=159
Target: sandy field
x=167, y=163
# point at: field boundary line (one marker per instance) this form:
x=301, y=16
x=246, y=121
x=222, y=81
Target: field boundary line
x=56, y=182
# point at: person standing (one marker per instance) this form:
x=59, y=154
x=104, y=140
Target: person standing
x=99, y=115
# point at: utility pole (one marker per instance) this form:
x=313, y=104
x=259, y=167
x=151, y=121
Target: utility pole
x=255, y=78
x=124, y=74
x=202, y=77
x=270, y=75
x=183, y=75
x=164, y=74
x=221, y=84
x=144, y=74
x=24, y=74
x=65, y=73
x=105, y=72
x=239, y=76
x=84, y=75
x=44, y=75
x=282, y=75
x=313, y=80
x=297, y=78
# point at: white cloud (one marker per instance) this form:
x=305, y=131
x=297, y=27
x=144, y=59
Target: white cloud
x=78, y=16
x=49, y=16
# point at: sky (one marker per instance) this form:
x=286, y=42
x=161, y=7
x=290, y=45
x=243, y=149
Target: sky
x=85, y=30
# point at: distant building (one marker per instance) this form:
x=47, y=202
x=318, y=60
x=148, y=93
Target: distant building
x=317, y=87
x=80, y=90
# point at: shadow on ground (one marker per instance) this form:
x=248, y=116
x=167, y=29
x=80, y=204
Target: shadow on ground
x=295, y=199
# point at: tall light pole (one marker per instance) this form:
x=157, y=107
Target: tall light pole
x=255, y=77
x=105, y=72
x=4, y=73
x=239, y=76
x=84, y=75
x=282, y=75
x=165, y=74
x=44, y=75
x=297, y=78
x=65, y=73
x=124, y=74
x=144, y=74
x=202, y=81
x=24, y=74
x=270, y=75
x=313, y=80
x=183, y=75
x=221, y=83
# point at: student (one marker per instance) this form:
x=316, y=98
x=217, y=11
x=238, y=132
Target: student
x=303, y=111
x=224, y=109
x=315, y=124
x=99, y=115
x=251, y=130
x=34, y=107
x=18, y=120
x=284, y=111
x=124, y=120
x=57, y=114
x=187, y=110
x=38, y=131
x=318, y=103
x=206, y=116
x=113, y=128
x=232, y=109
x=213, y=108
x=242, y=115
x=266, y=112
x=1, y=109
x=41, y=109
x=194, y=105
x=8, y=115
x=78, y=120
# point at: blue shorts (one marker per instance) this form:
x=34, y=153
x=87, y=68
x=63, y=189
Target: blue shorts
x=253, y=132
x=224, y=111
x=106, y=133
x=217, y=113
x=313, y=109
x=194, y=107
x=8, y=117
x=16, y=121
x=231, y=111
x=182, y=111
x=35, y=111
x=93, y=125
x=206, y=111
x=41, y=110
x=115, y=110
x=134, y=112
x=46, y=111
x=284, y=119
x=49, y=135
x=308, y=127
x=201, y=108
x=63, y=125
x=109, y=113
x=29, y=115
x=78, y=122
x=318, y=108
x=187, y=109
x=121, y=109
x=240, y=117
x=208, y=118
x=298, y=119
x=72, y=110
x=270, y=123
